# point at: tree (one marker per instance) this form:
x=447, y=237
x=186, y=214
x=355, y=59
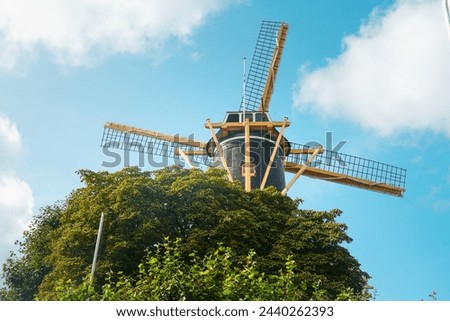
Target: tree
x=165, y=275
x=201, y=210
x=23, y=273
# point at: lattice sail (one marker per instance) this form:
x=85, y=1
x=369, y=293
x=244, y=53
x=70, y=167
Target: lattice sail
x=264, y=66
x=349, y=170
x=117, y=136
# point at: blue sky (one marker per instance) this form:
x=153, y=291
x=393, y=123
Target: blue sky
x=374, y=73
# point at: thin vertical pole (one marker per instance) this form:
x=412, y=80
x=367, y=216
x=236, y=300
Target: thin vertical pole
x=97, y=245
x=243, y=92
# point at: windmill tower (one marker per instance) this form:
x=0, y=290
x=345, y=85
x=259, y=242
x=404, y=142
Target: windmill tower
x=251, y=147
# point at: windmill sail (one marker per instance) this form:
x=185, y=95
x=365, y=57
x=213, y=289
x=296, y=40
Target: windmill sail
x=349, y=170
x=153, y=143
x=264, y=66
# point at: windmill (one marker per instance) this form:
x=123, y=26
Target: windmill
x=251, y=147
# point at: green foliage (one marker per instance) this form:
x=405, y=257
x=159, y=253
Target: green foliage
x=266, y=243
x=23, y=273
x=166, y=276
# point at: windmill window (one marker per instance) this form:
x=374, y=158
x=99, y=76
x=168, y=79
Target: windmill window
x=249, y=116
x=252, y=169
x=233, y=118
x=261, y=117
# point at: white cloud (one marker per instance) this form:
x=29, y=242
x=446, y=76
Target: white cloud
x=79, y=32
x=16, y=209
x=9, y=134
x=392, y=76
x=16, y=197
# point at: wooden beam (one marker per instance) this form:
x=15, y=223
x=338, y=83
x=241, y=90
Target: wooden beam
x=247, y=162
x=258, y=124
x=201, y=152
x=271, y=76
x=301, y=170
x=304, y=151
x=220, y=150
x=272, y=156
x=322, y=174
x=187, y=160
